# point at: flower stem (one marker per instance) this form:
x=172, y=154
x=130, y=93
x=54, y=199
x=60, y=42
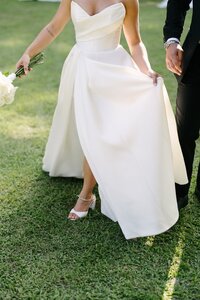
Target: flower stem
x=36, y=60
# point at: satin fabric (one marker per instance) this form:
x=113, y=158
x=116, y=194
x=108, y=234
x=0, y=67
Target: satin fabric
x=111, y=113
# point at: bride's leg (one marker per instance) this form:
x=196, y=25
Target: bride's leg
x=89, y=183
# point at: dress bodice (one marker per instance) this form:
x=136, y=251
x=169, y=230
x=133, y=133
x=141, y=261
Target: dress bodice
x=98, y=32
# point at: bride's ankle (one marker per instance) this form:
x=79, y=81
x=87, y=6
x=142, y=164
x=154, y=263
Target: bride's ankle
x=83, y=202
x=85, y=196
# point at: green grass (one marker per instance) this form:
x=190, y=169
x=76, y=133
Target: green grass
x=43, y=255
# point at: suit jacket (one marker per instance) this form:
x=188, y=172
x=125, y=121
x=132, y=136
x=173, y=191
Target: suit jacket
x=176, y=12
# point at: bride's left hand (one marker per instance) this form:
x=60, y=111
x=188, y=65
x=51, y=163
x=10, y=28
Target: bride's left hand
x=152, y=74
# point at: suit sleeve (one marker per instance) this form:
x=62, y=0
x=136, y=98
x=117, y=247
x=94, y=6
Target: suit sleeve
x=176, y=12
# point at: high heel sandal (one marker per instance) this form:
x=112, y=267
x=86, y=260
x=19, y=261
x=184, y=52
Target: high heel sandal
x=83, y=214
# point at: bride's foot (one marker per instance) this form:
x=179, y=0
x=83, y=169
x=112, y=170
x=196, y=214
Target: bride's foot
x=82, y=206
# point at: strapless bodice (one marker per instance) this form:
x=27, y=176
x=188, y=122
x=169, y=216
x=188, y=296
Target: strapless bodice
x=101, y=31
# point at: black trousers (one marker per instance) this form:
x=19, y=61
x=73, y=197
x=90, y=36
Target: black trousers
x=188, y=117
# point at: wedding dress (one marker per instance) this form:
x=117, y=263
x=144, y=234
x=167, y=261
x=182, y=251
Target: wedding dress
x=111, y=113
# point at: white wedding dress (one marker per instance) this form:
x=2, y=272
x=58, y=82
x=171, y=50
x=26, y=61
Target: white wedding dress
x=111, y=113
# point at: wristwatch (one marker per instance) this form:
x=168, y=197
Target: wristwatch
x=170, y=41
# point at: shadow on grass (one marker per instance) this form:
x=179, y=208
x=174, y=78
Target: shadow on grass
x=45, y=256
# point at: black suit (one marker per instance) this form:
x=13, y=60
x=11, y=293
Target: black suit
x=188, y=94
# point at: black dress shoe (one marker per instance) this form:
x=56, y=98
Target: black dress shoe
x=197, y=193
x=182, y=202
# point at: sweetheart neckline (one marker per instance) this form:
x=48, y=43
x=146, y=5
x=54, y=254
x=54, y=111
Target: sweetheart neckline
x=101, y=11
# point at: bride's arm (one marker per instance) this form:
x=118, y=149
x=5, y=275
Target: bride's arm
x=47, y=34
x=135, y=44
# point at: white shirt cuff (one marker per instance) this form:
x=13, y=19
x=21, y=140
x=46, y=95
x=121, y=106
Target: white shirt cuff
x=173, y=39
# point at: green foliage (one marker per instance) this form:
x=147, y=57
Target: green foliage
x=6, y=73
x=43, y=255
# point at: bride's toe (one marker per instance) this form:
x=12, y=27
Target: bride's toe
x=72, y=216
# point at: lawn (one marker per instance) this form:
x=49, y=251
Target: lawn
x=44, y=256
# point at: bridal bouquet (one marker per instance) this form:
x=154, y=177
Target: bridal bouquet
x=7, y=89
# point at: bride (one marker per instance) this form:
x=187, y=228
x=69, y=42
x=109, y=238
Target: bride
x=113, y=123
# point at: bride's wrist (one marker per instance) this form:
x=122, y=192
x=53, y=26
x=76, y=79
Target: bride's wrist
x=149, y=72
x=29, y=52
x=26, y=53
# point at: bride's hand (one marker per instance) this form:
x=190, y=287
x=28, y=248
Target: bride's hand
x=152, y=74
x=24, y=62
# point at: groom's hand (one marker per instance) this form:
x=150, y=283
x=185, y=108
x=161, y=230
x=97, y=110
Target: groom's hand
x=174, y=55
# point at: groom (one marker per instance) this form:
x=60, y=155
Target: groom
x=185, y=64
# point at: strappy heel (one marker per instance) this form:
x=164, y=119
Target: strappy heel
x=83, y=214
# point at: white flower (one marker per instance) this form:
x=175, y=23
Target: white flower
x=7, y=89
x=11, y=77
